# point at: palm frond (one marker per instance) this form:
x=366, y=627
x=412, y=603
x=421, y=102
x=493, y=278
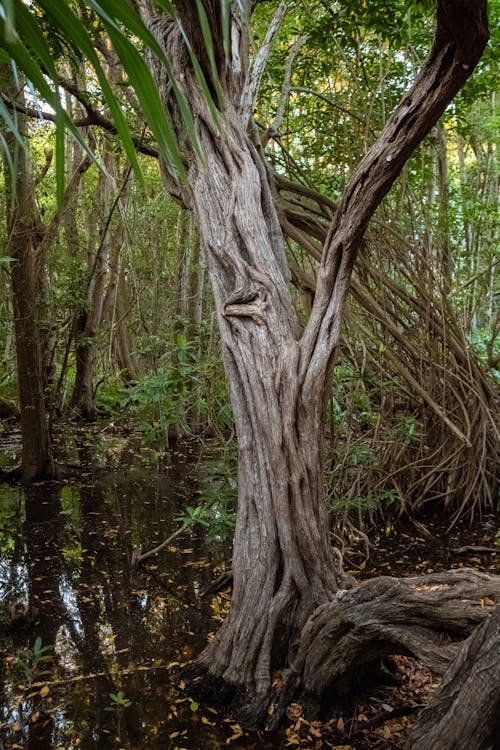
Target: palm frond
x=22, y=41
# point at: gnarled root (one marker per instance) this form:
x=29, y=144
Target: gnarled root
x=425, y=617
x=465, y=713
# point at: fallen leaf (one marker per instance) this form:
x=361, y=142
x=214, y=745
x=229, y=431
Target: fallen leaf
x=294, y=710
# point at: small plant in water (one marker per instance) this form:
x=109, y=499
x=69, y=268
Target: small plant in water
x=31, y=661
x=118, y=701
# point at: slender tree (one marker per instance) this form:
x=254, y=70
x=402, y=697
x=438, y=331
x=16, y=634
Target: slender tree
x=23, y=245
x=28, y=241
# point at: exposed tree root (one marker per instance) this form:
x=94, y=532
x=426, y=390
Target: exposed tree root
x=345, y=642
x=466, y=712
x=423, y=617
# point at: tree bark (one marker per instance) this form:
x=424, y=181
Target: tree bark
x=24, y=236
x=466, y=711
x=89, y=320
x=284, y=567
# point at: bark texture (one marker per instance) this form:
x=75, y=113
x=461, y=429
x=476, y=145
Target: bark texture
x=24, y=236
x=425, y=617
x=466, y=712
x=284, y=568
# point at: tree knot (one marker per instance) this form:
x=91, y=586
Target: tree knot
x=247, y=302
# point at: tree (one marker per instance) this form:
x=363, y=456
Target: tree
x=286, y=577
x=28, y=241
x=279, y=374
x=23, y=234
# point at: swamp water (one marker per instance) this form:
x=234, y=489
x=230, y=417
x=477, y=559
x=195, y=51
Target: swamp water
x=89, y=661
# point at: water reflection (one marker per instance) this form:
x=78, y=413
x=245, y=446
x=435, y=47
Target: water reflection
x=86, y=662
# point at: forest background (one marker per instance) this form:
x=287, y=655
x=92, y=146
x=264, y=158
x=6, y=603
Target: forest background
x=124, y=313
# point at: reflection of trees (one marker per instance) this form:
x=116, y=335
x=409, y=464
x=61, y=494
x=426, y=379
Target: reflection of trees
x=95, y=574
x=131, y=618
x=42, y=531
x=105, y=618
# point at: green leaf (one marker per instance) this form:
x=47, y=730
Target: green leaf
x=34, y=39
x=7, y=12
x=76, y=33
x=226, y=25
x=60, y=157
x=21, y=58
x=115, y=9
x=11, y=124
x=201, y=78
x=150, y=100
x=207, y=38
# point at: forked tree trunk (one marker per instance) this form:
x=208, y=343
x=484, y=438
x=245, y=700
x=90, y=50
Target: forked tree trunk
x=283, y=563
x=284, y=568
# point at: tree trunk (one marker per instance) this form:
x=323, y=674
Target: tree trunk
x=466, y=711
x=24, y=236
x=284, y=567
x=283, y=564
x=89, y=320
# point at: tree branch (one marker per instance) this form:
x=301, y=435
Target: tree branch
x=259, y=63
x=461, y=35
x=93, y=118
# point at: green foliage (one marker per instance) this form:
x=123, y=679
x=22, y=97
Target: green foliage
x=31, y=661
x=118, y=701
x=11, y=516
x=482, y=339
x=161, y=398
x=26, y=43
x=111, y=394
x=215, y=511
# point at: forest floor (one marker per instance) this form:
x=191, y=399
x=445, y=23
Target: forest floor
x=118, y=634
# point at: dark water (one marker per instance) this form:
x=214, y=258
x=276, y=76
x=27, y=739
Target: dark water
x=106, y=629
x=92, y=660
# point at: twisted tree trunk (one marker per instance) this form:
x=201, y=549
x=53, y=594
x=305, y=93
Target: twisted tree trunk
x=284, y=569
